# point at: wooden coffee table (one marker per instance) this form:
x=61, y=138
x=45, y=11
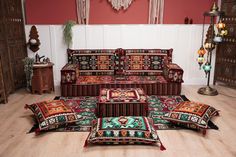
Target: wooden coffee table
x=114, y=102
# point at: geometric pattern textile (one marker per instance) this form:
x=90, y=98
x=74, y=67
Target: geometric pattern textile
x=144, y=62
x=139, y=62
x=84, y=108
x=96, y=62
x=122, y=102
x=123, y=130
x=173, y=73
x=159, y=106
x=93, y=62
x=52, y=114
x=86, y=80
x=119, y=95
x=191, y=114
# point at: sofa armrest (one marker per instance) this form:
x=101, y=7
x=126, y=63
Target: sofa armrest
x=69, y=73
x=173, y=73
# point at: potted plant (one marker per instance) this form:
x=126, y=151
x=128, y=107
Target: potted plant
x=67, y=32
x=28, y=69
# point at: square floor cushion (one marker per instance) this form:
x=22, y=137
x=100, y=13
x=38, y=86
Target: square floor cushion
x=52, y=114
x=191, y=114
x=123, y=130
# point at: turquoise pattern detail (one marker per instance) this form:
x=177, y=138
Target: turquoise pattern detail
x=130, y=122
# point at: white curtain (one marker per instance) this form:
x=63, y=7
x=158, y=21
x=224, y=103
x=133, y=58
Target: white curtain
x=156, y=10
x=83, y=7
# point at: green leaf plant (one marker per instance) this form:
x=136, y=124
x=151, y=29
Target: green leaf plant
x=28, y=69
x=67, y=32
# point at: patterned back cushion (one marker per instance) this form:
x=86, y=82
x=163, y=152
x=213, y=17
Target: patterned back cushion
x=146, y=61
x=120, y=61
x=93, y=62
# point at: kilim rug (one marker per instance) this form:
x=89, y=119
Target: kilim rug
x=86, y=107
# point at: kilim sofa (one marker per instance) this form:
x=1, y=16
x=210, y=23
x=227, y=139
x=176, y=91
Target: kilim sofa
x=87, y=71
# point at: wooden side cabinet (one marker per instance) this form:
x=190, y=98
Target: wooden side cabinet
x=42, y=80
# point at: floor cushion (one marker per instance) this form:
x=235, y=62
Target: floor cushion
x=123, y=130
x=52, y=114
x=191, y=114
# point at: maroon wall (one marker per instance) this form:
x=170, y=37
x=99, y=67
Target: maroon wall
x=101, y=12
x=50, y=11
x=177, y=10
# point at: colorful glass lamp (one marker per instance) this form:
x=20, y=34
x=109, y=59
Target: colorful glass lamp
x=211, y=41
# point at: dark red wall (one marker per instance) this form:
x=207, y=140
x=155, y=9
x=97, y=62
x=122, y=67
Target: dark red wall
x=101, y=12
x=50, y=11
x=177, y=10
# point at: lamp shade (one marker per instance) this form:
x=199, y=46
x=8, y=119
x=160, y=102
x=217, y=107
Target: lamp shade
x=201, y=51
x=200, y=61
x=209, y=46
x=220, y=25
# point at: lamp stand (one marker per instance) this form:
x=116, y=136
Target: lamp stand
x=209, y=90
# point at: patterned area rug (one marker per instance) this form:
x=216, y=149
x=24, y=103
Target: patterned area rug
x=86, y=109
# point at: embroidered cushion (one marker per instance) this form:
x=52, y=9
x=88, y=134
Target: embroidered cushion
x=93, y=62
x=146, y=61
x=52, y=114
x=123, y=130
x=191, y=114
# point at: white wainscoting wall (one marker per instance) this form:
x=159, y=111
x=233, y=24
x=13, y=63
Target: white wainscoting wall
x=184, y=39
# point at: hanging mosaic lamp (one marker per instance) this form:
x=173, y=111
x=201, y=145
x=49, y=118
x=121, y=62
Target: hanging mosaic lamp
x=201, y=51
x=217, y=39
x=209, y=45
x=207, y=68
x=200, y=61
x=220, y=25
x=223, y=32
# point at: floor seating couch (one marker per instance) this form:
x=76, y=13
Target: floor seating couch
x=87, y=71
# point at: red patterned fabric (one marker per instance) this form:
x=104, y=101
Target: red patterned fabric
x=125, y=109
x=123, y=130
x=191, y=114
x=119, y=95
x=170, y=88
x=146, y=61
x=119, y=62
x=121, y=68
x=122, y=102
x=82, y=80
x=93, y=62
x=52, y=114
x=69, y=73
x=173, y=73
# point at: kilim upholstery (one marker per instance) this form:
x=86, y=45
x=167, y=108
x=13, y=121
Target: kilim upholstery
x=87, y=71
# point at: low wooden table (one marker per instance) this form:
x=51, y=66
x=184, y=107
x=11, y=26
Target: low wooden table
x=114, y=102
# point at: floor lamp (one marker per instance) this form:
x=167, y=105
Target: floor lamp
x=212, y=38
